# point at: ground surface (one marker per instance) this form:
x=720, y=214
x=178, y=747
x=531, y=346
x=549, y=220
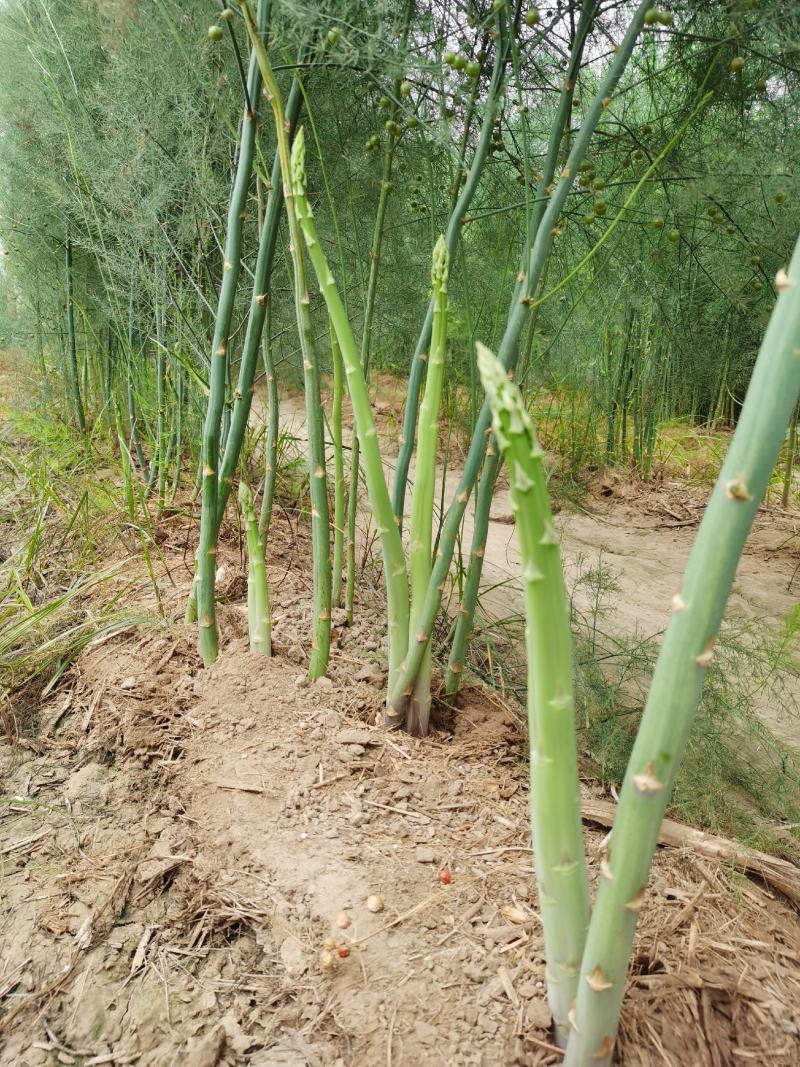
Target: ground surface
x=177, y=845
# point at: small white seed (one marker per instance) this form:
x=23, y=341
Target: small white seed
x=374, y=904
x=343, y=920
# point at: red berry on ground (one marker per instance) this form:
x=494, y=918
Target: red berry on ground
x=445, y=877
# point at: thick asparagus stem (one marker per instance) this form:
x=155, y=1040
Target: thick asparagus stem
x=491, y=466
x=424, y=484
x=271, y=445
x=685, y=656
x=391, y=544
x=555, y=800
x=366, y=343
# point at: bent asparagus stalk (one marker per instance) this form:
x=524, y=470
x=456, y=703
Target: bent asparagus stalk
x=555, y=799
x=680, y=671
x=395, y=573
x=257, y=588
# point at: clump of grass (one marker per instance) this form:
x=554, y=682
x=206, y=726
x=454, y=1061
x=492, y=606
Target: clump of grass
x=738, y=779
x=62, y=507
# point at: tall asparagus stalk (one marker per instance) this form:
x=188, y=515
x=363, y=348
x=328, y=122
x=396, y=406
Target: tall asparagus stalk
x=366, y=343
x=338, y=468
x=391, y=544
x=494, y=98
x=491, y=466
x=369, y=314
x=685, y=656
x=530, y=274
x=424, y=484
x=257, y=588
x=209, y=525
x=320, y=518
x=555, y=800
x=243, y=394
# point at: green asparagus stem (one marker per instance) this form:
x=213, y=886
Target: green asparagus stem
x=534, y=263
x=257, y=588
x=209, y=526
x=494, y=98
x=338, y=468
x=320, y=519
x=555, y=798
x=271, y=444
x=391, y=545
x=491, y=466
x=366, y=343
x=685, y=656
x=243, y=395
x=424, y=484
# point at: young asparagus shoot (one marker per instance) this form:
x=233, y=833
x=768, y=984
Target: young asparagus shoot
x=257, y=588
x=395, y=573
x=685, y=656
x=419, y=706
x=555, y=801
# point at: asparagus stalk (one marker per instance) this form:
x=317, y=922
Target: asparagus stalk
x=271, y=445
x=685, y=656
x=209, y=525
x=424, y=483
x=534, y=262
x=338, y=468
x=555, y=799
x=391, y=544
x=493, y=102
x=257, y=588
x=366, y=343
x=243, y=395
x=320, y=524
x=369, y=313
x=491, y=465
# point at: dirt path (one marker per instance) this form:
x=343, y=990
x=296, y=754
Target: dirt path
x=643, y=539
